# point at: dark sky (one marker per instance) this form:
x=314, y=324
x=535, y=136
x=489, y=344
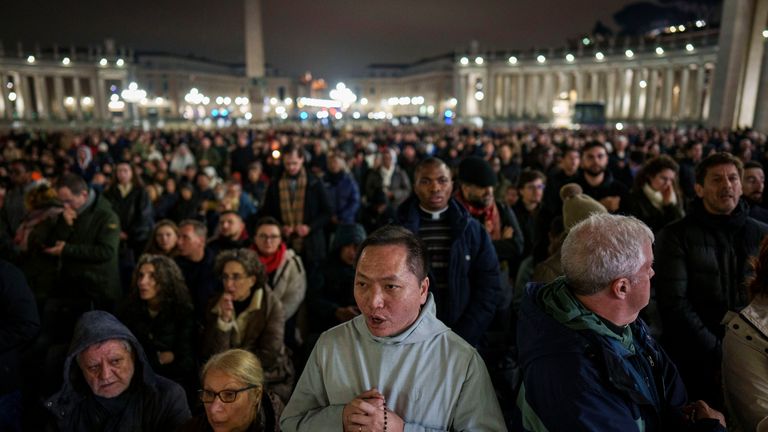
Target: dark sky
x=332, y=38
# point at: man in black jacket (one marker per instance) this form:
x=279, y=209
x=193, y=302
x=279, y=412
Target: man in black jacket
x=702, y=262
x=109, y=384
x=19, y=324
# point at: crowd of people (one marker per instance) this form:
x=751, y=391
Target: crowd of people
x=384, y=279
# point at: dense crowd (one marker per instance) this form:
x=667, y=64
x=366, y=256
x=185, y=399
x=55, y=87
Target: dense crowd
x=218, y=257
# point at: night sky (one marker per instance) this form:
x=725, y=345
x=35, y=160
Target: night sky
x=332, y=38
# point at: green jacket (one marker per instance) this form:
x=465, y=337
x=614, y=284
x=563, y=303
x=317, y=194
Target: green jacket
x=89, y=267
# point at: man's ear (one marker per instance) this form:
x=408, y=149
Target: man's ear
x=620, y=288
x=424, y=289
x=699, y=189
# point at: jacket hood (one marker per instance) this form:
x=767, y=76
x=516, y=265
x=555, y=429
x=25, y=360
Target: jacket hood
x=426, y=327
x=95, y=327
x=552, y=313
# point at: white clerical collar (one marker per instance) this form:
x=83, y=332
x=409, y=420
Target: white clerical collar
x=435, y=214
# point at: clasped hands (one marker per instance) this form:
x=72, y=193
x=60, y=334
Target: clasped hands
x=365, y=413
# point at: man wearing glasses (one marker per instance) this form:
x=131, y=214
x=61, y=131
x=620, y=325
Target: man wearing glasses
x=109, y=384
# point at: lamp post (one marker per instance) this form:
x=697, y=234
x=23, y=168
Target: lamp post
x=133, y=95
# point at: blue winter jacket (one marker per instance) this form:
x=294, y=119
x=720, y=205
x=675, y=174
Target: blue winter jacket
x=579, y=375
x=473, y=275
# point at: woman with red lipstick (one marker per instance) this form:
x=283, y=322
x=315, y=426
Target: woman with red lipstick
x=248, y=315
x=159, y=313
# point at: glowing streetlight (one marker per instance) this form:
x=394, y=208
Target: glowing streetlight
x=30, y=59
x=570, y=58
x=512, y=60
x=659, y=50
x=479, y=60
x=103, y=62
x=689, y=47
x=120, y=62
x=541, y=59
x=464, y=61
x=12, y=96
x=66, y=61
x=629, y=53
x=599, y=56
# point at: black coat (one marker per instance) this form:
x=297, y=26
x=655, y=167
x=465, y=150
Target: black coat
x=135, y=213
x=701, y=263
x=19, y=324
x=153, y=403
x=317, y=214
x=172, y=330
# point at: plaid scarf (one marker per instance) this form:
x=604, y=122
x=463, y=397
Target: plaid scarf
x=488, y=216
x=292, y=210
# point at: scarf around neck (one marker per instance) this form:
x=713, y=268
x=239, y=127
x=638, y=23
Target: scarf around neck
x=271, y=263
x=292, y=211
x=488, y=216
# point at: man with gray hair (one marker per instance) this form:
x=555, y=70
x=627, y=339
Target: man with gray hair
x=109, y=384
x=593, y=364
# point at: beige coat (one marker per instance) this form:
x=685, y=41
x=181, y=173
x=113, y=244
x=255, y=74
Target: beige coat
x=745, y=366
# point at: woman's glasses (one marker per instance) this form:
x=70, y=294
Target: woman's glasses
x=226, y=396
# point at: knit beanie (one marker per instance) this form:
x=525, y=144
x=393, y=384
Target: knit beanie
x=348, y=234
x=476, y=171
x=577, y=206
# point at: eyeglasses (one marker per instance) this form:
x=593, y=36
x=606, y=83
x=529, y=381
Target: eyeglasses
x=234, y=277
x=265, y=237
x=226, y=396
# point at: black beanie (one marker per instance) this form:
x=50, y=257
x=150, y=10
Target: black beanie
x=476, y=171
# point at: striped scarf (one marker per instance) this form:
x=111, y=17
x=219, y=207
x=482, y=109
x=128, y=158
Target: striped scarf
x=292, y=210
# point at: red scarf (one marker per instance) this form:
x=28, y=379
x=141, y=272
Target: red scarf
x=488, y=216
x=273, y=262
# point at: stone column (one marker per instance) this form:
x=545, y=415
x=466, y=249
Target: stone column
x=650, y=94
x=579, y=81
x=41, y=93
x=24, y=101
x=593, y=86
x=506, y=96
x=99, y=98
x=5, y=104
x=77, y=95
x=520, y=105
x=487, y=107
x=666, y=104
x=684, y=78
x=698, y=93
x=761, y=112
x=610, y=94
x=532, y=101
x=58, y=98
x=634, y=95
x=547, y=96
x=740, y=48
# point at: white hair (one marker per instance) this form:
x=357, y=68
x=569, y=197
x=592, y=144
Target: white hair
x=603, y=248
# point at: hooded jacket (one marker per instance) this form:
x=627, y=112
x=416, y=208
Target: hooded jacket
x=579, y=375
x=430, y=377
x=473, y=273
x=153, y=403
